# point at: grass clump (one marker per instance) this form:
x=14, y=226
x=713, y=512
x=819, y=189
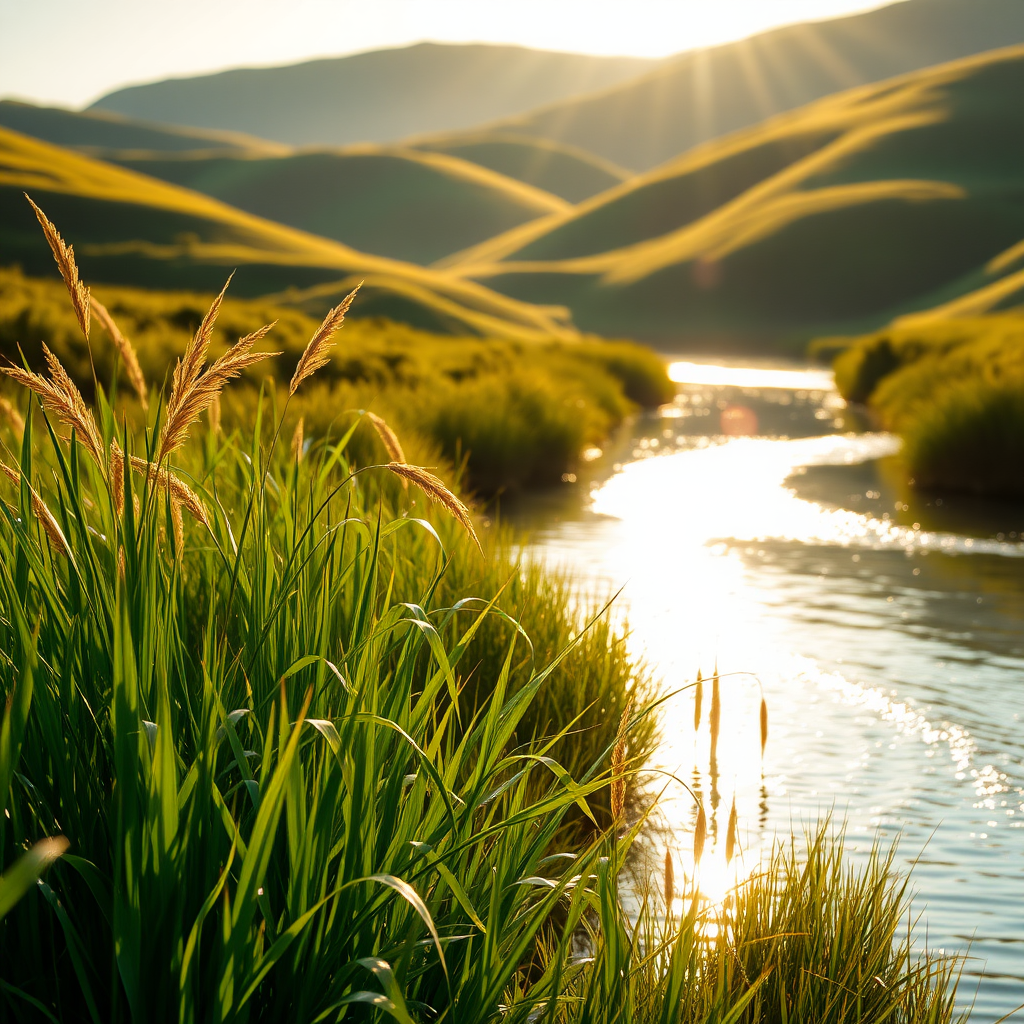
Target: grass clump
x=954, y=390
x=285, y=766
x=512, y=414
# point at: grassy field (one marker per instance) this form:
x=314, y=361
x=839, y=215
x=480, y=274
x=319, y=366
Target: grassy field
x=565, y=171
x=392, y=202
x=510, y=414
x=870, y=204
x=953, y=388
x=131, y=229
x=289, y=752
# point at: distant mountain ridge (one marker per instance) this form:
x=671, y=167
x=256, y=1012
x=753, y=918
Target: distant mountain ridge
x=380, y=96
x=835, y=218
x=704, y=94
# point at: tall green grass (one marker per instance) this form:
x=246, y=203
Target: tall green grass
x=308, y=767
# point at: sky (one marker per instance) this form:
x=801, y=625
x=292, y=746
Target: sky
x=70, y=52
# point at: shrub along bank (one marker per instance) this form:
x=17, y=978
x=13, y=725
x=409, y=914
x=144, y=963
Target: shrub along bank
x=954, y=391
x=515, y=414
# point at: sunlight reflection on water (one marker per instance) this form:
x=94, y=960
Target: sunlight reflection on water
x=889, y=650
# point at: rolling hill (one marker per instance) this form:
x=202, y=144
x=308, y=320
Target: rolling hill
x=564, y=171
x=877, y=202
x=99, y=132
x=381, y=96
x=707, y=93
x=131, y=229
x=393, y=202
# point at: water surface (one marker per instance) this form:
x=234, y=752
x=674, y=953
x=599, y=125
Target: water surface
x=758, y=524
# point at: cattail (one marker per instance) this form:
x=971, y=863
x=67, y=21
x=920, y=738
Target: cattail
x=388, y=438
x=65, y=257
x=46, y=518
x=193, y=389
x=436, y=491
x=730, y=835
x=700, y=834
x=316, y=353
x=61, y=397
x=764, y=725
x=10, y=415
x=670, y=881
x=125, y=350
x=214, y=415
x=297, y=441
x=698, y=700
x=716, y=712
x=618, y=788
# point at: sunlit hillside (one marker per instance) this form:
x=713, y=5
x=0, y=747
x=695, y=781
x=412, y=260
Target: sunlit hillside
x=381, y=96
x=706, y=93
x=393, y=202
x=97, y=132
x=132, y=229
x=565, y=171
x=880, y=201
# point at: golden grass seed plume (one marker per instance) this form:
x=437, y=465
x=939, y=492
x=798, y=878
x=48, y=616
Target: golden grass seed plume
x=388, y=438
x=64, y=254
x=298, y=440
x=124, y=348
x=618, y=787
x=670, y=881
x=436, y=491
x=61, y=397
x=764, y=725
x=716, y=712
x=10, y=415
x=46, y=518
x=698, y=700
x=730, y=835
x=317, y=352
x=700, y=834
x=193, y=388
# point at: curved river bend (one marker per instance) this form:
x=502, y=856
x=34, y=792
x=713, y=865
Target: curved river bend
x=754, y=522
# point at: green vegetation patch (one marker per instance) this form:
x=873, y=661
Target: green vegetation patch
x=514, y=414
x=954, y=390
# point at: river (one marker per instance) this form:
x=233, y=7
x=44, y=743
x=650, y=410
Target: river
x=757, y=523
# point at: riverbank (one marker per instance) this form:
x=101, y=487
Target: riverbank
x=293, y=753
x=954, y=391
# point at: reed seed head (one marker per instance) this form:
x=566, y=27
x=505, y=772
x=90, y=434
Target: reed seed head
x=670, y=881
x=730, y=835
x=698, y=701
x=10, y=415
x=61, y=397
x=716, y=711
x=298, y=441
x=46, y=518
x=618, y=786
x=388, y=438
x=64, y=254
x=124, y=348
x=436, y=491
x=317, y=353
x=764, y=725
x=700, y=834
x=194, y=388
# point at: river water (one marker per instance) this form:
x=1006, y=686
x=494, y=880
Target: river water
x=757, y=523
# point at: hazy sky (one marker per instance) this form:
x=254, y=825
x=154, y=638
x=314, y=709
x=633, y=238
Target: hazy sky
x=72, y=51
